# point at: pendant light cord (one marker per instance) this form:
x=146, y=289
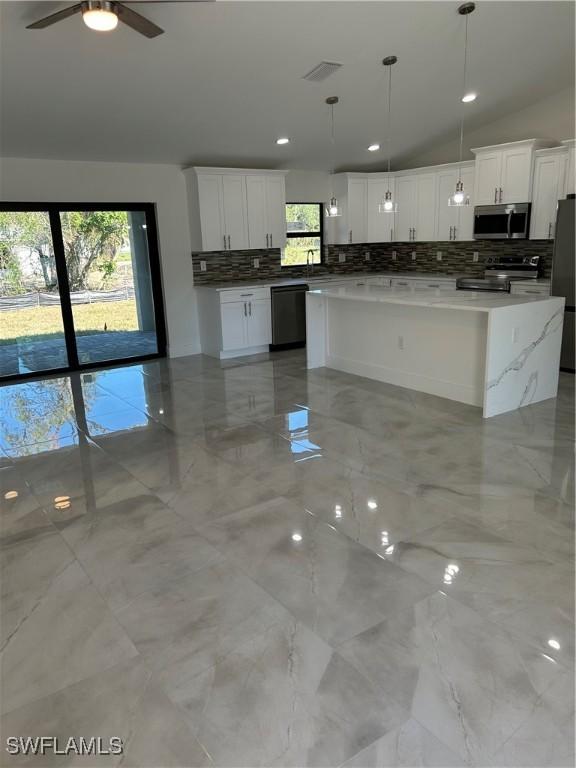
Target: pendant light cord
x=463, y=107
x=389, y=120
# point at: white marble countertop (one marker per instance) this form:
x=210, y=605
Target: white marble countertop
x=481, y=301
x=227, y=285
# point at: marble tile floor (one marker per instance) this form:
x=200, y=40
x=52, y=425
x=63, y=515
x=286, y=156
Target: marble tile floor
x=251, y=564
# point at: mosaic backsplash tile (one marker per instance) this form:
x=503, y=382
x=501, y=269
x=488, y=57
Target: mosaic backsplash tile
x=457, y=259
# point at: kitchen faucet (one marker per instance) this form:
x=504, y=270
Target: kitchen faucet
x=308, y=253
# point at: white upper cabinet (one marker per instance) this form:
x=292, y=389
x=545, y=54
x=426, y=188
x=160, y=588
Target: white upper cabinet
x=236, y=209
x=357, y=190
x=465, y=223
x=234, y=206
x=547, y=189
x=447, y=219
x=426, y=198
x=503, y=173
x=406, y=196
x=417, y=212
x=380, y=226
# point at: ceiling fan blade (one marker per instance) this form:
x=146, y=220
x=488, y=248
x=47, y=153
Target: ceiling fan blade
x=137, y=22
x=55, y=17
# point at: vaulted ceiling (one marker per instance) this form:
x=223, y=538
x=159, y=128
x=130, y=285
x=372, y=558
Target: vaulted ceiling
x=225, y=80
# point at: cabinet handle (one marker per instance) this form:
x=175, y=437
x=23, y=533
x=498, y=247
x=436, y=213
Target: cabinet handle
x=267, y=241
x=414, y=233
x=495, y=194
x=245, y=315
x=243, y=295
x=350, y=236
x=271, y=241
x=450, y=238
x=228, y=242
x=500, y=198
x=433, y=285
x=391, y=234
x=550, y=231
x=224, y=242
x=250, y=308
x=455, y=230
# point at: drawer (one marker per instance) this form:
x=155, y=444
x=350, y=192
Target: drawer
x=526, y=290
x=397, y=282
x=434, y=284
x=383, y=282
x=244, y=294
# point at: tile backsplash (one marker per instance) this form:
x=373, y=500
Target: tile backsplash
x=457, y=259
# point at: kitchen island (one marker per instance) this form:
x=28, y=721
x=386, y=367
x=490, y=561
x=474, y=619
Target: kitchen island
x=495, y=351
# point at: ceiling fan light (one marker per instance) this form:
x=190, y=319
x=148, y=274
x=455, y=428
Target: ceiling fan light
x=100, y=16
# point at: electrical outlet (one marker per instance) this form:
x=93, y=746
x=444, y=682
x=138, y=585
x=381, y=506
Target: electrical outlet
x=400, y=342
x=438, y=255
x=394, y=255
x=475, y=256
x=202, y=266
x=341, y=258
x=256, y=263
x=413, y=255
x=367, y=256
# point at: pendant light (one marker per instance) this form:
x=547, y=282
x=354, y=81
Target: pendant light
x=460, y=196
x=332, y=209
x=388, y=204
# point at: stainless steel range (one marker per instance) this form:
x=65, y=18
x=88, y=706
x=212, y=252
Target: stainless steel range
x=500, y=270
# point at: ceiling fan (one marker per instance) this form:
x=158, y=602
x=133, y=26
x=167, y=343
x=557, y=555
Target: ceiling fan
x=104, y=15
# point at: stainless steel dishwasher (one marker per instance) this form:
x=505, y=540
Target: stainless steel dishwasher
x=288, y=316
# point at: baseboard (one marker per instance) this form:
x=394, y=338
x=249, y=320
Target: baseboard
x=244, y=352
x=463, y=393
x=183, y=350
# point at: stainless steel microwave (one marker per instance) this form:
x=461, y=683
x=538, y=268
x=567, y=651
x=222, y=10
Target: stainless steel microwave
x=502, y=222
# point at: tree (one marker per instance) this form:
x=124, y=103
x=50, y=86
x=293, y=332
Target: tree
x=92, y=239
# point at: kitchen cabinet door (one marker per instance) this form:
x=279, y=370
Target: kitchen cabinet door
x=257, y=214
x=380, y=226
x=447, y=218
x=276, y=210
x=405, y=215
x=234, y=206
x=425, y=223
x=545, y=194
x=357, y=189
x=515, y=180
x=488, y=175
x=465, y=223
x=234, y=317
x=211, y=213
x=259, y=323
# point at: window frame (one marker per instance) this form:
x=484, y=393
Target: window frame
x=53, y=210
x=316, y=233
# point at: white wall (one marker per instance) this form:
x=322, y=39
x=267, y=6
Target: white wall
x=550, y=118
x=27, y=180
x=307, y=187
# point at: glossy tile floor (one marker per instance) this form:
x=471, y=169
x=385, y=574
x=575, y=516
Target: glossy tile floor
x=255, y=565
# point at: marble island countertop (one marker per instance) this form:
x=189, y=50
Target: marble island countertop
x=474, y=301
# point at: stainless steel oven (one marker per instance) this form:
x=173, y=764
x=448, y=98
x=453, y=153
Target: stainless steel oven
x=502, y=222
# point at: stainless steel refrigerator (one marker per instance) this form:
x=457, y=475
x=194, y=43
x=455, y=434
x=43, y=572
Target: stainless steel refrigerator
x=563, y=275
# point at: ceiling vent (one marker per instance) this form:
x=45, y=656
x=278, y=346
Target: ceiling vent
x=322, y=71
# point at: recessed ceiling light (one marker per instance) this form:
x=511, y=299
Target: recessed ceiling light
x=469, y=97
x=296, y=536
x=283, y=140
x=373, y=147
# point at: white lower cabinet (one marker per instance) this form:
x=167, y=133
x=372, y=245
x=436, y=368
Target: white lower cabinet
x=234, y=322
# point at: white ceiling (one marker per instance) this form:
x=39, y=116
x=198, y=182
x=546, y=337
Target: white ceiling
x=225, y=79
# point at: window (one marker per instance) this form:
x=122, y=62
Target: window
x=79, y=285
x=304, y=236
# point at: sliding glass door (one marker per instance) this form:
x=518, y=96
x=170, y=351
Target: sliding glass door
x=79, y=286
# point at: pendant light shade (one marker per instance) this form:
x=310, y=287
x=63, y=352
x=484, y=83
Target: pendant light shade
x=333, y=208
x=460, y=197
x=388, y=204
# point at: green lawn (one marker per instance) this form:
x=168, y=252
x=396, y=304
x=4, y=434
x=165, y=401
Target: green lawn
x=47, y=321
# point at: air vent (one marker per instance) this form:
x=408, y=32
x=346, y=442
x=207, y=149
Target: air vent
x=322, y=71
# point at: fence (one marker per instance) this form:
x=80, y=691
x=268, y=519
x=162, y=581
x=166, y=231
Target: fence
x=39, y=299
